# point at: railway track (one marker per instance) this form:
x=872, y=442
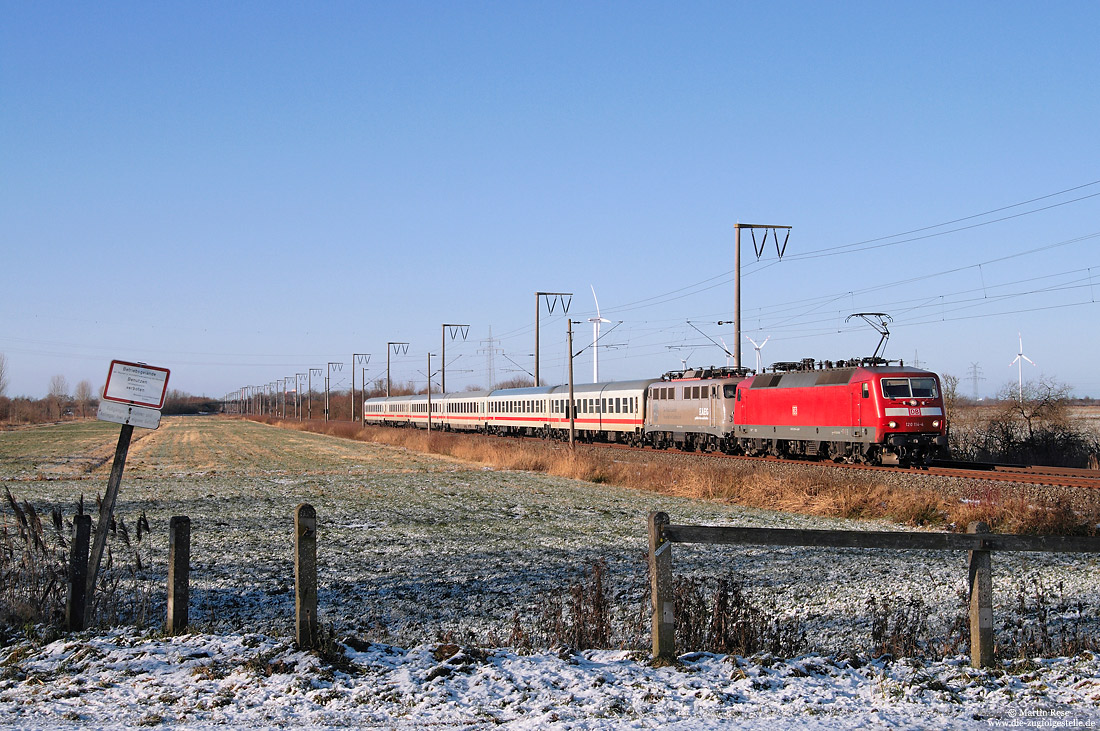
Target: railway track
x=1015, y=473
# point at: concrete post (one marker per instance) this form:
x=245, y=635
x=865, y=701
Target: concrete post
x=179, y=569
x=981, y=603
x=305, y=576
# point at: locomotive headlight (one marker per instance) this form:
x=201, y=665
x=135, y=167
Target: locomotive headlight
x=892, y=425
x=912, y=402
x=936, y=423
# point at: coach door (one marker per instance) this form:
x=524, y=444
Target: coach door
x=715, y=405
x=861, y=392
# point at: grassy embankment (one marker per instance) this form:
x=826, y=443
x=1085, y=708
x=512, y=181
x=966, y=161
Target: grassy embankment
x=824, y=492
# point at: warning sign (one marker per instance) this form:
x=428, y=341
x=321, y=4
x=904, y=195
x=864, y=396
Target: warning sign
x=137, y=384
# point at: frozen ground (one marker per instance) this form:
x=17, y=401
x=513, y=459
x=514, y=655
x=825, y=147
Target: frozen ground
x=418, y=552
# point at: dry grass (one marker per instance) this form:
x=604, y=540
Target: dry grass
x=820, y=492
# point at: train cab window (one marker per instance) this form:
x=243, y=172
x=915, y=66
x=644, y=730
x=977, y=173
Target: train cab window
x=923, y=387
x=866, y=391
x=729, y=391
x=896, y=388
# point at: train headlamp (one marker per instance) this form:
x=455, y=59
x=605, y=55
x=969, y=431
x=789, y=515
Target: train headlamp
x=892, y=425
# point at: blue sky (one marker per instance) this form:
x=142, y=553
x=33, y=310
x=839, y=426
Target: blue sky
x=242, y=191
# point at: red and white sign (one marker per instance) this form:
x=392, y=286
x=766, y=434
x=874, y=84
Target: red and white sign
x=137, y=384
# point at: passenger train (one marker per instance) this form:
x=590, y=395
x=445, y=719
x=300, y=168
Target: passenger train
x=863, y=410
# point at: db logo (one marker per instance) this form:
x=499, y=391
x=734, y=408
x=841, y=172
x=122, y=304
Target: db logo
x=914, y=412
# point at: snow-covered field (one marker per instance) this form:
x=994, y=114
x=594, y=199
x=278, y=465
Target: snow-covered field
x=426, y=567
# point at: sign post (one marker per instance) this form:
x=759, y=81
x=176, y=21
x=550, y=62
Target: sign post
x=133, y=396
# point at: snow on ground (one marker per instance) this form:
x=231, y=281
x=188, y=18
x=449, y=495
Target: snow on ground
x=128, y=678
x=421, y=556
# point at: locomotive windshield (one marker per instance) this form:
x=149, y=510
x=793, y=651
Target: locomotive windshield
x=909, y=387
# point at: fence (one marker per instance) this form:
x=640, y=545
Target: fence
x=978, y=541
x=78, y=602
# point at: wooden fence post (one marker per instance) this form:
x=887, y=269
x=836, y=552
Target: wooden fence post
x=981, y=603
x=305, y=575
x=179, y=569
x=78, y=573
x=661, y=589
x=106, y=510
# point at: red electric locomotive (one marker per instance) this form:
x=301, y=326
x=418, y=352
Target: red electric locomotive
x=856, y=411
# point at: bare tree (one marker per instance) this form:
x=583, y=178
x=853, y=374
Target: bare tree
x=83, y=396
x=517, y=382
x=1045, y=403
x=59, y=394
x=950, y=386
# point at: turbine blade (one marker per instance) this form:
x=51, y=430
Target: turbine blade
x=596, y=301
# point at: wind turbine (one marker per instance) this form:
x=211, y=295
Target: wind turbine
x=595, y=338
x=725, y=348
x=758, y=348
x=1020, y=358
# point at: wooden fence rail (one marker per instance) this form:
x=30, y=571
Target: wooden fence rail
x=978, y=541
